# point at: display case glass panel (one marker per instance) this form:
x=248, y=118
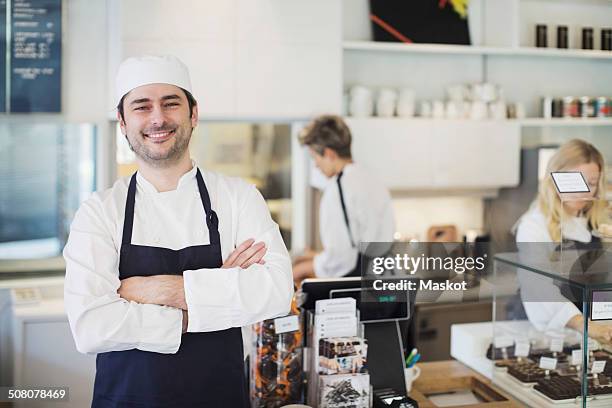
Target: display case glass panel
x=552, y=313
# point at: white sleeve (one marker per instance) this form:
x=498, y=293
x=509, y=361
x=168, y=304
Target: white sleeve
x=218, y=299
x=550, y=315
x=100, y=320
x=556, y=311
x=530, y=230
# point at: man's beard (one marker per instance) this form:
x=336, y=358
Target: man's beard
x=181, y=137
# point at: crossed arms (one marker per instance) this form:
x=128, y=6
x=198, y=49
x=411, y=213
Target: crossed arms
x=168, y=290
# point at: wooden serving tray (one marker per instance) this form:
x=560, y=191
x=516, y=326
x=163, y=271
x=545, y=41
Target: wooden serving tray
x=448, y=376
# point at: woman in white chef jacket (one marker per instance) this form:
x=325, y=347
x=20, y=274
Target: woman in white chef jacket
x=542, y=223
x=355, y=207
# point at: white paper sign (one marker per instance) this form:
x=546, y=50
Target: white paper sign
x=548, y=363
x=601, y=306
x=335, y=325
x=601, y=310
x=286, y=324
x=556, y=344
x=577, y=357
x=503, y=341
x=521, y=349
x=570, y=182
x=340, y=305
x=598, y=366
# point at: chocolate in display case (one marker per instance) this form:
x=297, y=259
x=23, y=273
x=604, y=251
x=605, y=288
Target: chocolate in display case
x=276, y=361
x=544, y=353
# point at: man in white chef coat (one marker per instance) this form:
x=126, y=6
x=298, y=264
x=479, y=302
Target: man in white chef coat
x=355, y=206
x=163, y=268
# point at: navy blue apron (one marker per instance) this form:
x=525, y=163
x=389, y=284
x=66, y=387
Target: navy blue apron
x=207, y=370
x=593, y=250
x=356, y=271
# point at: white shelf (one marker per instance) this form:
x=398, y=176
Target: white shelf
x=527, y=122
x=449, y=49
x=566, y=122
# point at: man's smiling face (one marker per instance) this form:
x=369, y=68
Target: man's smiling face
x=157, y=123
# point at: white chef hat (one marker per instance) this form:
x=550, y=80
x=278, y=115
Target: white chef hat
x=150, y=69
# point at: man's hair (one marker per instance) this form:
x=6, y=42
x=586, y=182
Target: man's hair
x=190, y=101
x=328, y=131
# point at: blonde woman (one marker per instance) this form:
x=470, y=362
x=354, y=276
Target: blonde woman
x=542, y=223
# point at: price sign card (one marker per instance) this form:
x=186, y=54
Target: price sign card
x=576, y=357
x=598, y=367
x=286, y=324
x=570, y=182
x=548, y=363
x=521, y=349
x=601, y=306
x=503, y=341
x=556, y=344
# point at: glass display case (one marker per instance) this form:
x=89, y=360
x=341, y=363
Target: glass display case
x=552, y=313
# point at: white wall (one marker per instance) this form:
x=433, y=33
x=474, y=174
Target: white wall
x=248, y=59
x=84, y=72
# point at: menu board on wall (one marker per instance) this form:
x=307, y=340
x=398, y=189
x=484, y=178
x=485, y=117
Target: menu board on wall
x=2, y=55
x=36, y=38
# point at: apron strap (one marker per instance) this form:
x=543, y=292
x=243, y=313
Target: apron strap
x=346, y=219
x=212, y=221
x=128, y=219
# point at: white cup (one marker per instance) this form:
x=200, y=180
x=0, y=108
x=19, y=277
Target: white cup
x=425, y=109
x=407, y=95
x=387, y=94
x=456, y=93
x=498, y=110
x=411, y=374
x=405, y=103
x=478, y=110
x=405, y=109
x=476, y=92
x=437, y=111
x=489, y=92
x=385, y=108
x=361, y=103
x=452, y=110
x=361, y=108
x=360, y=91
x=385, y=103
